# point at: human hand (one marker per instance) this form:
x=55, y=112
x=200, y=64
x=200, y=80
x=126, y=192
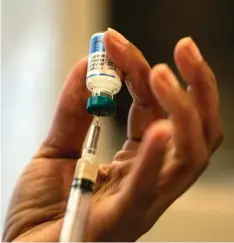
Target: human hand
x=162, y=157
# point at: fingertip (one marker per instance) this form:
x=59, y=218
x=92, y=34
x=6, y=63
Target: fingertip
x=83, y=59
x=79, y=71
x=162, y=80
x=106, y=37
x=81, y=63
x=159, y=132
x=74, y=89
x=187, y=47
x=161, y=67
x=153, y=148
x=157, y=70
x=115, y=42
x=115, y=36
x=181, y=44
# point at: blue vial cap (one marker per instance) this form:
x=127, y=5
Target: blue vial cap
x=101, y=106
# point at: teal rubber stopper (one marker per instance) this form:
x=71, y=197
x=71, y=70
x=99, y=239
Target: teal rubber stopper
x=101, y=106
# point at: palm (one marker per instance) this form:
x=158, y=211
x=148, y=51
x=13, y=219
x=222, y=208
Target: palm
x=49, y=182
x=46, y=192
x=44, y=187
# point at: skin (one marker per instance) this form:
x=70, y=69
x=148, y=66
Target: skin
x=161, y=158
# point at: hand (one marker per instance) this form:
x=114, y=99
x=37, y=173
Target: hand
x=162, y=157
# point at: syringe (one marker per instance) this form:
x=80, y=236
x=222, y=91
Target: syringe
x=80, y=198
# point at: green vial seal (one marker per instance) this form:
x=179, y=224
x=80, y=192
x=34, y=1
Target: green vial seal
x=101, y=105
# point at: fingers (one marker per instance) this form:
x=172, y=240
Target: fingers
x=149, y=160
x=188, y=135
x=71, y=121
x=133, y=64
x=202, y=88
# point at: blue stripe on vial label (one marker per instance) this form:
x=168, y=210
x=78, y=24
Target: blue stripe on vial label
x=96, y=44
x=100, y=74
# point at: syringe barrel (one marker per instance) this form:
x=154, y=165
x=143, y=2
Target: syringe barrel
x=76, y=216
x=82, y=188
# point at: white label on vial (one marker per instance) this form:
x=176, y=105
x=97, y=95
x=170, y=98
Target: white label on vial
x=100, y=65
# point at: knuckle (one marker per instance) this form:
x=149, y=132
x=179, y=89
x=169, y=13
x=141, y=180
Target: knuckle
x=197, y=164
x=218, y=136
x=204, y=160
x=200, y=159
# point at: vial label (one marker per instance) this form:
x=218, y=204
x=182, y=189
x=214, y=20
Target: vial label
x=99, y=64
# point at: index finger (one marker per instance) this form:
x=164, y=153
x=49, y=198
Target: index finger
x=133, y=64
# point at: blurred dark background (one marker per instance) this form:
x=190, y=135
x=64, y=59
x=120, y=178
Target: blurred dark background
x=155, y=26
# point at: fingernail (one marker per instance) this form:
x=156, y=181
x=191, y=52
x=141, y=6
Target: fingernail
x=164, y=77
x=117, y=37
x=192, y=49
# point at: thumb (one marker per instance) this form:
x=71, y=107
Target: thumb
x=71, y=121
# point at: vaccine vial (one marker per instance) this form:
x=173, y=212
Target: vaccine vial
x=103, y=79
